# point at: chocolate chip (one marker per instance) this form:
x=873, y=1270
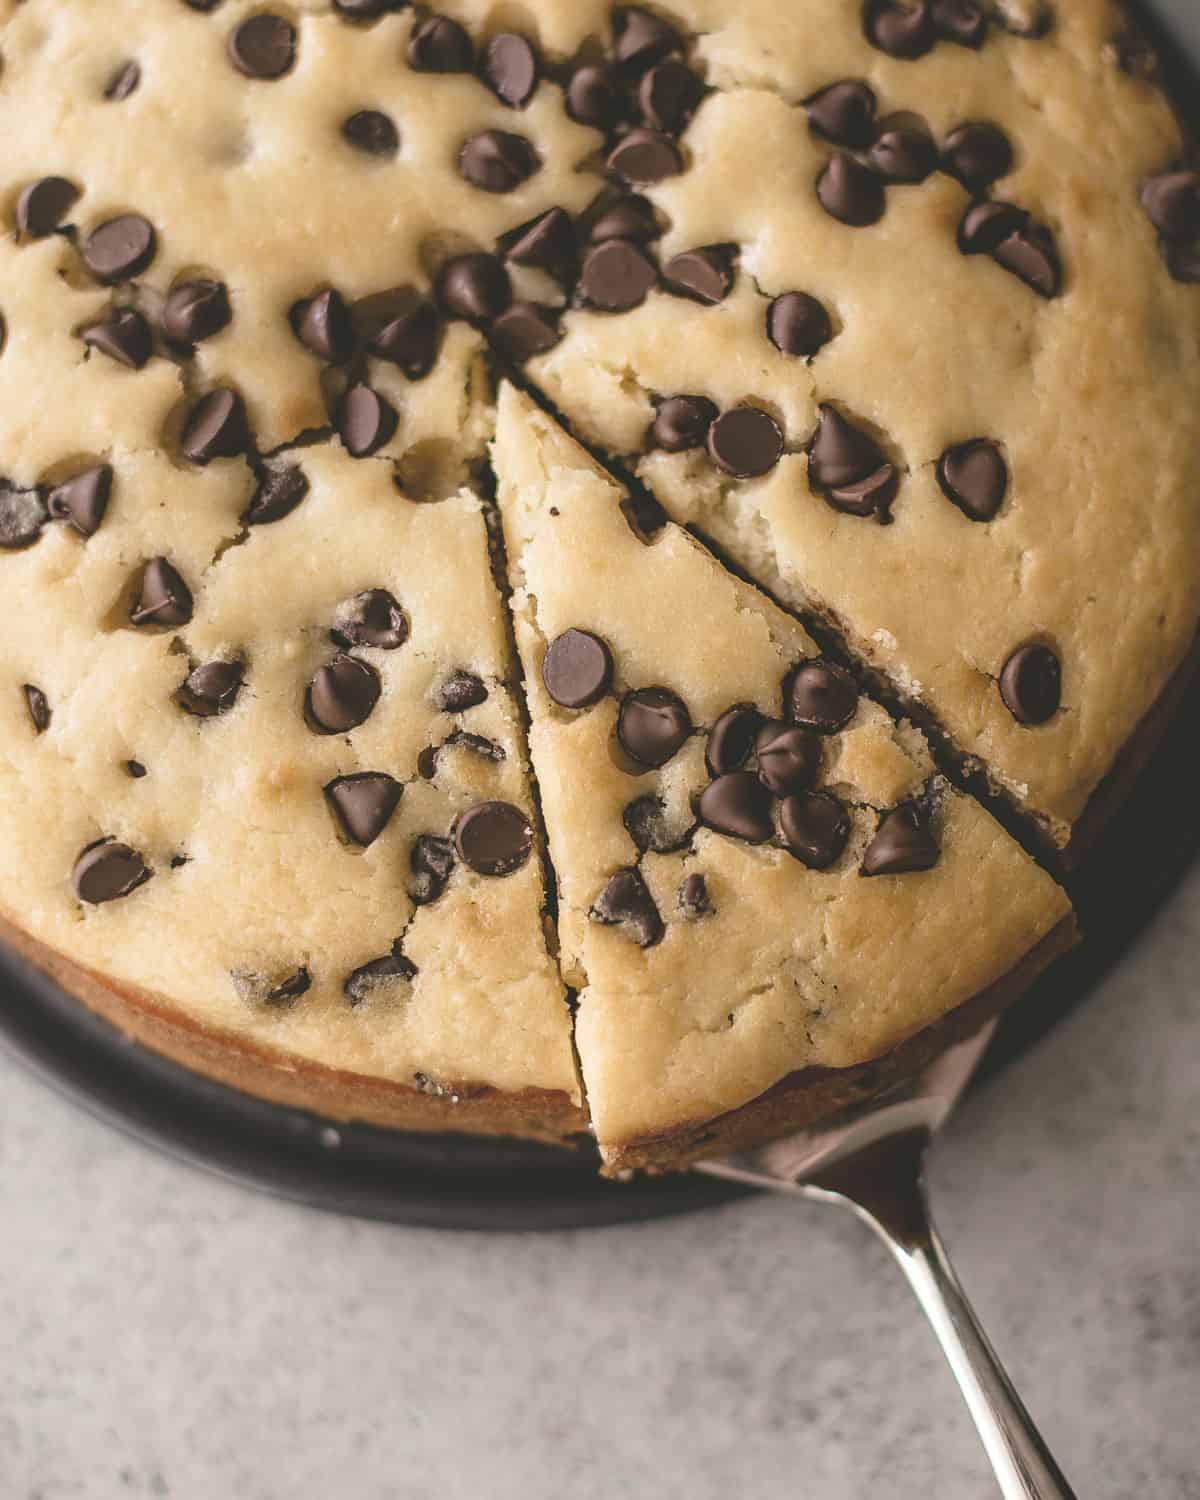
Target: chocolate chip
x=322, y=324
x=476, y=744
x=901, y=28
x=652, y=725
x=903, y=154
x=44, y=204
x=640, y=38
x=694, y=899
x=592, y=98
x=22, y=516
x=646, y=823
x=432, y=862
x=365, y=420
x=745, y=441
x=162, y=597
x=902, y=845
x=216, y=427
x=737, y=804
x=820, y=695
x=815, y=828
x=1183, y=262
x=123, y=336
x=263, y=46
x=427, y=762
x=289, y=989
x=682, y=422
x=386, y=974
x=107, y=870
x=475, y=287
x=626, y=901
x=410, y=340
x=705, y=275
x=120, y=248
x=439, y=45
x=135, y=769
x=789, y=758
x=365, y=10
x=1172, y=204
x=547, y=242
x=83, y=499
x=123, y=82
x=577, y=669
x=843, y=113
x=279, y=491
x=645, y=156
x=798, y=324
x=363, y=803
x=372, y=132
x=667, y=94
x=977, y=155
x=212, y=689
x=460, y=691
x=38, y=707
x=493, y=838
x=867, y=497
x=850, y=192
x=196, y=310
x=526, y=328
x=372, y=618
x=984, y=225
x=1030, y=254
x=839, y=454
x=497, y=160
x=1031, y=684
x=617, y=275
x=510, y=69
x=342, y=695
x=731, y=739
x=975, y=477
x=630, y=217
x=961, y=21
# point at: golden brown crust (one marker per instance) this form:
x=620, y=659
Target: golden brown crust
x=813, y=1093
x=536, y=1114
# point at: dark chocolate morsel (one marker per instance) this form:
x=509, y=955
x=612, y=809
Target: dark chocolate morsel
x=475, y=287
x=592, y=98
x=44, y=204
x=974, y=476
x=901, y=28
x=135, y=769
x=867, y=497
x=789, y=757
x=1030, y=254
x=646, y=823
x=432, y=863
x=460, y=691
x=372, y=132
x=903, y=844
x=985, y=225
x=745, y=441
x=280, y=489
x=820, y=695
x=410, y=341
x=289, y=989
x=616, y=275
x=1172, y=204
x=124, y=336
x=107, y=870
x=900, y=153
x=212, y=689
x=493, y=838
x=439, y=45
x=365, y=420
x=705, y=275
x=630, y=217
x=525, y=329
x=961, y=21
x=322, y=324
x=694, y=900
x=850, y=192
x=476, y=744
x=577, y=669
x=667, y=94
x=363, y=803
x=626, y=901
x=22, y=516
x=195, y=310
x=38, y=707
x=546, y=242
x=162, y=597
x=843, y=113
x=342, y=694
x=977, y=154
x=380, y=974
x=731, y=739
x=798, y=324
x=510, y=68
x=652, y=725
x=1031, y=684
x=120, y=248
x=645, y=156
x=263, y=46
x=372, y=618
x=839, y=454
x=815, y=828
x=83, y=499
x=682, y=422
x=640, y=39
x=216, y=427
x=497, y=160
x=737, y=804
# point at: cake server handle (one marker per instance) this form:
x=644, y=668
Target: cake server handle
x=885, y=1186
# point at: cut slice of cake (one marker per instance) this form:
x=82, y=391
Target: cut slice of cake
x=763, y=883
x=292, y=841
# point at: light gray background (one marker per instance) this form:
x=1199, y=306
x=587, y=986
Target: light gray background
x=163, y=1333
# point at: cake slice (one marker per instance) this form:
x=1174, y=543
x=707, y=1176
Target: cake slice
x=766, y=892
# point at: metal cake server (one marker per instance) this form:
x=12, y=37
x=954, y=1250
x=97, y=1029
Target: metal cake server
x=871, y=1158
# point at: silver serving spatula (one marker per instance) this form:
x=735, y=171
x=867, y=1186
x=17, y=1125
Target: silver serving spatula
x=871, y=1158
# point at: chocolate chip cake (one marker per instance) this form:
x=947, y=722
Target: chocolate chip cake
x=368, y=744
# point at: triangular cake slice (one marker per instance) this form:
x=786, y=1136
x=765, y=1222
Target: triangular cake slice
x=766, y=892
x=293, y=843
